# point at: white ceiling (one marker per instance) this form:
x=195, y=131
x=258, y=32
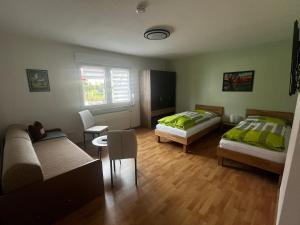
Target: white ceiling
x=198, y=25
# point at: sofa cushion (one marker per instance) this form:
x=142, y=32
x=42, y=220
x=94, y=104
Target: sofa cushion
x=52, y=134
x=59, y=155
x=21, y=166
x=17, y=131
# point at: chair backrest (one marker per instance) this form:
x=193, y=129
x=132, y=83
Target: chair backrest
x=122, y=144
x=87, y=119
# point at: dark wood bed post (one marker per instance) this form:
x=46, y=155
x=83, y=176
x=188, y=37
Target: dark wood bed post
x=220, y=161
x=280, y=179
x=158, y=139
x=185, y=149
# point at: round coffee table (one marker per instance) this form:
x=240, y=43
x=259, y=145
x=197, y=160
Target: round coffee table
x=100, y=142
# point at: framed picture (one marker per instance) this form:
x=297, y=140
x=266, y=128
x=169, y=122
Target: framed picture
x=38, y=80
x=238, y=81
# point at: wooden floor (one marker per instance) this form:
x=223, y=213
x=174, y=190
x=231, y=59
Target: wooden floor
x=178, y=188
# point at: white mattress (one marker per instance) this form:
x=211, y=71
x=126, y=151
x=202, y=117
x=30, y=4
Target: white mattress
x=191, y=131
x=259, y=152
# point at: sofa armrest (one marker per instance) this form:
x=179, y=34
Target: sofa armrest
x=21, y=166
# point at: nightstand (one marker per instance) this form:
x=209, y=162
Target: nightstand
x=228, y=125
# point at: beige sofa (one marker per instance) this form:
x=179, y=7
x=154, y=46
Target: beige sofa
x=45, y=179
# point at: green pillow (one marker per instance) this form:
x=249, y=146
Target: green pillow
x=168, y=119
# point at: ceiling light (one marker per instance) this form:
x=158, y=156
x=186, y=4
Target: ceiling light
x=157, y=34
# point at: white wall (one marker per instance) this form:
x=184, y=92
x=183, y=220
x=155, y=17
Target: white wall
x=200, y=79
x=59, y=107
x=289, y=197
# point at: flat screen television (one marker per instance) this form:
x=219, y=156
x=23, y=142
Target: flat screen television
x=295, y=67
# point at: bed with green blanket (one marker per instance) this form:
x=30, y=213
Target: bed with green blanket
x=187, y=119
x=260, y=132
x=189, y=126
x=259, y=140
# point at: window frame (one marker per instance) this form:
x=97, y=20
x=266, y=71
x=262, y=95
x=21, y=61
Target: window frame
x=109, y=106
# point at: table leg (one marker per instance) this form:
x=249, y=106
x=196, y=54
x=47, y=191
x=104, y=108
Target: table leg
x=99, y=152
x=135, y=171
x=84, y=140
x=114, y=165
x=111, y=175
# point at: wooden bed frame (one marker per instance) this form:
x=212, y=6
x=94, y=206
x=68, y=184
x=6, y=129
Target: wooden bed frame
x=187, y=141
x=251, y=160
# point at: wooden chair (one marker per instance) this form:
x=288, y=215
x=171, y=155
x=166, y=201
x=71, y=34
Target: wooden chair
x=122, y=144
x=90, y=126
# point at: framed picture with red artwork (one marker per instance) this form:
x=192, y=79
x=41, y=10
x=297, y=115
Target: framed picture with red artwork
x=238, y=81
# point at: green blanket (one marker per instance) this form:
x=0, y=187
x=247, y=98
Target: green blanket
x=186, y=120
x=259, y=133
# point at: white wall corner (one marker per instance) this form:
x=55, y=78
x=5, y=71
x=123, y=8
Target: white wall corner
x=289, y=197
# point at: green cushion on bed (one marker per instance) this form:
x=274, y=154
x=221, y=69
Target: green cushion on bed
x=235, y=134
x=184, y=123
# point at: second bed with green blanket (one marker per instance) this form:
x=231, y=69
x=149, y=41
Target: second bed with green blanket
x=261, y=132
x=259, y=140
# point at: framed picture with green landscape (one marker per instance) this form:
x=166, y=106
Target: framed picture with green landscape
x=238, y=81
x=38, y=80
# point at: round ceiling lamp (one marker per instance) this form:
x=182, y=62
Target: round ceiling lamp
x=157, y=34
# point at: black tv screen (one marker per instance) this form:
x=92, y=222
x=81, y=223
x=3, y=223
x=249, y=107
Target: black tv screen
x=294, y=80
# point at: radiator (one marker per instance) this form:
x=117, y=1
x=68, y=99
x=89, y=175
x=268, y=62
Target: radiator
x=115, y=120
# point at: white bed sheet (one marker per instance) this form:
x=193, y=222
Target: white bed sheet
x=259, y=152
x=191, y=131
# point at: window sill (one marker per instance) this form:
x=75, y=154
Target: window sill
x=97, y=110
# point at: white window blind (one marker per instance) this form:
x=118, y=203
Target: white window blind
x=120, y=85
x=94, y=85
x=105, y=86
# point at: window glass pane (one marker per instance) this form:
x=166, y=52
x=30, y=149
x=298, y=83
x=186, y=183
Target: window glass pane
x=120, y=85
x=93, y=83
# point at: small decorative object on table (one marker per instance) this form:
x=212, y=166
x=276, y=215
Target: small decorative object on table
x=38, y=80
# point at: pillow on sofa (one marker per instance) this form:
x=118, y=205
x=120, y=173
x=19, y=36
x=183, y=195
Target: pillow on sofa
x=36, y=131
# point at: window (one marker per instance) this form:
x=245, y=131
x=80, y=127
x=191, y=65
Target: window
x=120, y=85
x=105, y=86
x=93, y=85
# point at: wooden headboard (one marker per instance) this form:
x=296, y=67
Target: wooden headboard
x=282, y=115
x=216, y=109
